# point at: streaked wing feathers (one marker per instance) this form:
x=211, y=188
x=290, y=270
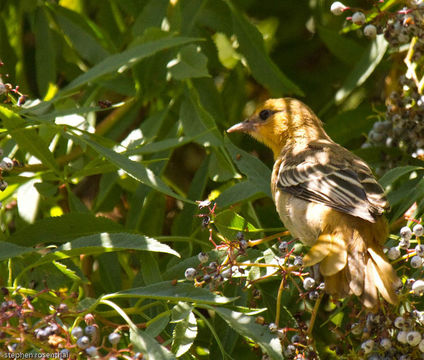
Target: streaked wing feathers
x=349, y=187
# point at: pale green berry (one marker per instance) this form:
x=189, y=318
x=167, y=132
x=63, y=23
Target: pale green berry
x=413, y=338
x=358, y=18
x=370, y=31
x=337, y=8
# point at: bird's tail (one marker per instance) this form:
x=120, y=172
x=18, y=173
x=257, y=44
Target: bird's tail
x=352, y=261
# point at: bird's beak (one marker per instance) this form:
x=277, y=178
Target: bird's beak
x=244, y=126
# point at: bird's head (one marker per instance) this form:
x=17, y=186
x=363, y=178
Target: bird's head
x=276, y=122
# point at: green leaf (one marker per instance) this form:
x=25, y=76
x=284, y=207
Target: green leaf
x=197, y=122
x=191, y=12
x=66, y=271
x=181, y=311
x=220, y=168
x=105, y=242
x=61, y=229
x=150, y=270
x=406, y=195
x=168, y=291
x=146, y=344
x=263, y=68
x=342, y=47
x=132, y=168
x=363, y=68
x=45, y=54
x=9, y=251
x=80, y=35
x=185, y=220
x=184, y=334
x=239, y=193
x=392, y=175
x=27, y=139
x=158, y=324
x=126, y=58
x=154, y=12
x=102, y=243
x=161, y=145
x=258, y=174
x=350, y=124
x=229, y=223
x=247, y=326
x=227, y=55
x=189, y=63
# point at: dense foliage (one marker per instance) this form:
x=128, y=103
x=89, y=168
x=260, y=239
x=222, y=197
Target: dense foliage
x=133, y=227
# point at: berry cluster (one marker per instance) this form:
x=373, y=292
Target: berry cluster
x=9, y=93
x=231, y=263
x=387, y=337
x=214, y=273
x=371, y=336
x=391, y=336
x=26, y=325
x=403, y=29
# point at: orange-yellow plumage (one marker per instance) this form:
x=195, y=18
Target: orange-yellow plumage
x=328, y=198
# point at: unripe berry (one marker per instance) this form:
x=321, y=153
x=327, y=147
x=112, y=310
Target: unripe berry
x=91, y=351
x=283, y=247
x=298, y=261
x=289, y=350
x=404, y=244
x=416, y=261
x=77, y=332
x=90, y=330
x=273, y=327
x=402, y=337
x=114, y=338
x=376, y=136
x=370, y=31
x=406, y=233
x=421, y=346
x=385, y=343
x=83, y=342
x=418, y=287
x=190, y=274
x=313, y=295
x=226, y=274
x=358, y=18
x=356, y=328
x=3, y=185
x=400, y=322
x=203, y=257
x=367, y=346
x=309, y=283
x=6, y=164
x=419, y=249
x=337, y=8
x=393, y=253
x=413, y=338
x=418, y=230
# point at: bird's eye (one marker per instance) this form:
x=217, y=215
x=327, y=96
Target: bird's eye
x=265, y=114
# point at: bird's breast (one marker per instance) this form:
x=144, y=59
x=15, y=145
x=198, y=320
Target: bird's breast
x=302, y=218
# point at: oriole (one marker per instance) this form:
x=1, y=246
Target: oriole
x=328, y=198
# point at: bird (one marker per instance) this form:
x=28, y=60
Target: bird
x=329, y=199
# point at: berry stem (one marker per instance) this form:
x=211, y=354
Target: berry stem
x=267, y=238
x=278, y=305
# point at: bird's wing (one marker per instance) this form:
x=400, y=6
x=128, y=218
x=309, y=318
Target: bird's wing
x=347, y=186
